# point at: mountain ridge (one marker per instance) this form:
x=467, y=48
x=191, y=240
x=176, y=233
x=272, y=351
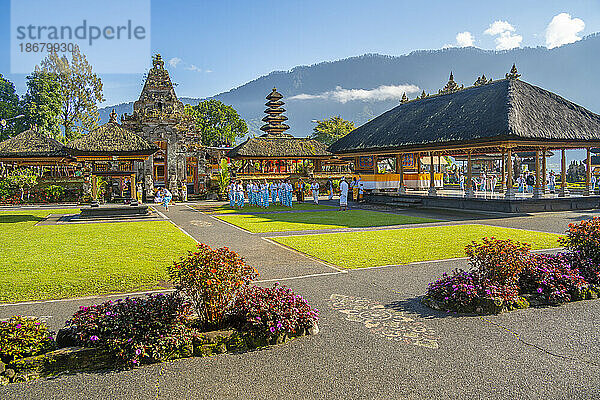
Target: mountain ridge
x=566, y=70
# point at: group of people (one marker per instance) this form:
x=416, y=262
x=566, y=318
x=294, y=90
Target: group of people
x=263, y=193
x=525, y=182
x=260, y=194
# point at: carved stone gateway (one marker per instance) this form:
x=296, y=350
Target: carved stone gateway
x=159, y=117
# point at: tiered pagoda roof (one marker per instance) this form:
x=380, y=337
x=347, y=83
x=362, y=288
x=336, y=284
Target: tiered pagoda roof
x=275, y=144
x=274, y=120
x=111, y=139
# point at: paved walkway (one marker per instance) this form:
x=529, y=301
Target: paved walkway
x=376, y=341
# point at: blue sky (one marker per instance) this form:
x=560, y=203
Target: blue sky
x=224, y=44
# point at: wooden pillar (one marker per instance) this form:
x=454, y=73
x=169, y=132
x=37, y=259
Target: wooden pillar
x=509, y=192
x=375, y=169
x=588, y=173
x=469, y=175
x=544, y=180
x=503, y=172
x=400, y=169
x=418, y=160
x=432, y=190
x=564, y=192
x=318, y=166
x=537, y=188
x=94, y=191
x=133, y=189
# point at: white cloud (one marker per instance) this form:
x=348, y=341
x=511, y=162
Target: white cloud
x=174, y=61
x=497, y=27
x=192, y=67
x=505, y=38
x=563, y=30
x=507, y=41
x=381, y=93
x=464, y=39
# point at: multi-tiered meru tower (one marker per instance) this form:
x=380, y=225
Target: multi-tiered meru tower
x=274, y=120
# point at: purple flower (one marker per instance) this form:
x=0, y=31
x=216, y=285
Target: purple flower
x=540, y=290
x=272, y=329
x=94, y=338
x=18, y=326
x=138, y=352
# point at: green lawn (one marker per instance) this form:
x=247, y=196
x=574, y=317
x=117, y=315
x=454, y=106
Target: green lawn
x=403, y=246
x=59, y=261
x=302, y=221
x=225, y=209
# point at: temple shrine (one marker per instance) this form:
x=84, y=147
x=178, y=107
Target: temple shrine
x=277, y=155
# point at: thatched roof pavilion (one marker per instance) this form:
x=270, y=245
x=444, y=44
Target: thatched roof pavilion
x=111, y=150
x=111, y=139
x=494, y=116
x=32, y=147
x=281, y=146
x=276, y=152
x=502, y=116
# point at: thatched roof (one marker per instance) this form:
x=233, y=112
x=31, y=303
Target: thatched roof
x=279, y=146
x=32, y=144
x=508, y=109
x=112, y=139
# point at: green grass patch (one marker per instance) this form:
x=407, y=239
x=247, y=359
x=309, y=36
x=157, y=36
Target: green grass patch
x=60, y=261
x=225, y=209
x=302, y=221
x=403, y=246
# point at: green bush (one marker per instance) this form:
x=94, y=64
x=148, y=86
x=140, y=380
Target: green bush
x=54, y=193
x=23, y=337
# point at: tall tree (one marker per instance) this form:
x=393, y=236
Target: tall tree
x=219, y=124
x=43, y=102
x=80, y=89
x=329, y=130
x=9, y=108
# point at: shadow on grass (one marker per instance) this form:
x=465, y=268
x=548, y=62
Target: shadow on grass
x=15, y=218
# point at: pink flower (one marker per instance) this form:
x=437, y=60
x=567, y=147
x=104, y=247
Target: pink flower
x=94, y=338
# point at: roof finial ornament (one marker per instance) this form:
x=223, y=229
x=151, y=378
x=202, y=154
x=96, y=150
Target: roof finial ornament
x=423, y=95
x=451, y=86
x=513, y=74
x=482, y=80
x=113, y=116
x=404, y=98
x=157, y=61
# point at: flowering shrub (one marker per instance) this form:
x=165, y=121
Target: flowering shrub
x=551, y=276
x=23, y=337
x=498, y=260
x=211, y=279
x=273, y=311
x=584, y=238
x=462, y=290
x=136, y=329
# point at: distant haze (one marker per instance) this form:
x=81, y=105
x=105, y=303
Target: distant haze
x=360, y=88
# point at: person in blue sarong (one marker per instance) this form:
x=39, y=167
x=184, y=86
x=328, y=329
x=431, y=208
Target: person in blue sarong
x=231, y=194
x=167, y=196
x=264, y=189
x=273, y=188
x=239, y=191
x=256, y=193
